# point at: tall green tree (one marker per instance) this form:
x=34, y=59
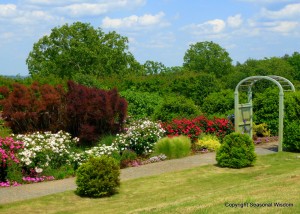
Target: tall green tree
x=80, y=48
x=208, y=57
x=264, y=67
x=294, y=60
x=267, y=66
x=152, y=67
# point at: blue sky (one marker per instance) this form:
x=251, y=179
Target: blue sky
x=158, y=30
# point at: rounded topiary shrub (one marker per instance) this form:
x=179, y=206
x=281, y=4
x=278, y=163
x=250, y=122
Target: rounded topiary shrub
x=98, y=177
x=236, y=151
x=174, y=147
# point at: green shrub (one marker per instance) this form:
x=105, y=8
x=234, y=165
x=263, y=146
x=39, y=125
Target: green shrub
x=87, y=80
x=14, y=172
x=236, y=151
x=261, y=130
x=173, y=147
x=4, y=131
x=291, y=106
x=127, y=157
x=79, y=157
x=98, y=177
x=176, y=107
x=60, y=173
x=218, y=103
x=194, y=85
x=266, y=109
x=107, y=140
x=291, y=138
x=141, y=104
x=209, y=142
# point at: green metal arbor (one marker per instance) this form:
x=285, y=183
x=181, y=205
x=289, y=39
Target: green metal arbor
x=244, y=112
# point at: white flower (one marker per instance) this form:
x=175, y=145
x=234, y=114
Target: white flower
x=38, y=170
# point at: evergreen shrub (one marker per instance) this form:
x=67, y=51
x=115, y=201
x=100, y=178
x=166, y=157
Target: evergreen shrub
x=236, y=151
x=173, y=147
x=291, y=139
x=98, y=177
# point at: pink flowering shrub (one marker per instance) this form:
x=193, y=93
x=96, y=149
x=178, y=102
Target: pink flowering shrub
x=9, y=150
x=37, y=179
x=8, y=184
x=8, y=153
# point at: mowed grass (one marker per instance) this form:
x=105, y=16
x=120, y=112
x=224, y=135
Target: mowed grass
x=206, y=189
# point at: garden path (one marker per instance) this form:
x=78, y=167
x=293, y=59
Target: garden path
x=12, y=194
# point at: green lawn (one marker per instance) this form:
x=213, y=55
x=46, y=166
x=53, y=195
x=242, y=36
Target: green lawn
x=274, y=178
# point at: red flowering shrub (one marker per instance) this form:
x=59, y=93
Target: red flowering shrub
x=34, y=108
x=222, y=127
x=93, y=112
x=182, y=127
x=194, y=127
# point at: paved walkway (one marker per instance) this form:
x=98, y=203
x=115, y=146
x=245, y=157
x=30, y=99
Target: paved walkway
x=12, y=194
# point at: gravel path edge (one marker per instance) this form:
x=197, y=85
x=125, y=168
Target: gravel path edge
x=28, y=191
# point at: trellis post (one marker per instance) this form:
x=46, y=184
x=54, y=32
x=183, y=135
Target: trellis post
x=283, y=85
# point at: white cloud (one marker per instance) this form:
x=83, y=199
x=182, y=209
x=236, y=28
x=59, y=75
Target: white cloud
x=7, y=35
x=284, y=26
x=35, y=17
x=210, y=27
x=12, y=14
x=7, y=10
x=135, y=21
x=235, y=21
x=217, y=25
x=84, y=9
x=161, y=40
x=267, y=1
x=279, y=27
x=289, y=11
x=46, y=2
x=95, y=8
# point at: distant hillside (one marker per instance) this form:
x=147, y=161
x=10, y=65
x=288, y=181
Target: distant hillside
x=14, y=76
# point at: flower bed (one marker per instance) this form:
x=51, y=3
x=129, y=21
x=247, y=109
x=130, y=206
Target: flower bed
x=37, y=155
x=195, y=127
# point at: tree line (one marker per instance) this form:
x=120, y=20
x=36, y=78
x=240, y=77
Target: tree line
x=93, y=58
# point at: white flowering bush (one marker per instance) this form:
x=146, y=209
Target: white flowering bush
x=79, y=158
x=140, y=137
x=43, y=149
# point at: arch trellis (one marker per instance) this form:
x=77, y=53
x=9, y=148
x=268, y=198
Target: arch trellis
x=244, y=112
